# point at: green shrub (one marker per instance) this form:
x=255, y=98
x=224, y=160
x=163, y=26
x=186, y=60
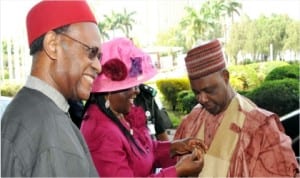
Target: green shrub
x=6, y=74
x=247, y=61
x=243, y=77
x=279, y=96
x=10, y=88
x=170, y=87
x=243, y=92
x=186, y=101
x=289, y=71
x=264, y=68
x=294, y=62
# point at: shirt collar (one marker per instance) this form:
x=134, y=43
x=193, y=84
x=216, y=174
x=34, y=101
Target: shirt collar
x=37, y=84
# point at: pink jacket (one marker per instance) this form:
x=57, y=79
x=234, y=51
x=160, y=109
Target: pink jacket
x=115, y=156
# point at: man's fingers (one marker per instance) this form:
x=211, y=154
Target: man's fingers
x=198, y=144
x=198, y=154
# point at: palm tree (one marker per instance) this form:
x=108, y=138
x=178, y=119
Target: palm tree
x=126, y=21
x=198, y=24
x=231, y=7
x=192, y=26
x=215, y=13
x=211, y=12
x=112, y=22
x=103, y=30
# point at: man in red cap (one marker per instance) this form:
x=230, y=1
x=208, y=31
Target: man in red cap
x=38, y=138
x=243, y=140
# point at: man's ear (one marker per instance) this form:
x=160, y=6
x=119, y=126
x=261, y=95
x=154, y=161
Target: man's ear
x=50, y=44
x=225, y=74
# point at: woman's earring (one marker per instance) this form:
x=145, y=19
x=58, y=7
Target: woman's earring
x=107, y=104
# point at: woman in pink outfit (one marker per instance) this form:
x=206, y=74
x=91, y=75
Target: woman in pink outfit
x=115, y=129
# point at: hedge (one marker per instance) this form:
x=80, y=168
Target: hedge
x=10, y=88
x=243, y=77
x=279, y=96
x=289, y=71
x=170, y=87
x=186, y=100
x=262, y=69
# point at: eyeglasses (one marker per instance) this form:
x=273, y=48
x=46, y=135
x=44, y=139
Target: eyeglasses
x=93, y=51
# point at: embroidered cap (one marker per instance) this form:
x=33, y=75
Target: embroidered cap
x=123, y=66
x=48, y=15
x=205, y=59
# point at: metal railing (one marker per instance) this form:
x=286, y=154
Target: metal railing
x=290, y=115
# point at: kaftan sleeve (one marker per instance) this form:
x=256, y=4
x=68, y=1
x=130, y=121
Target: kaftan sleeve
x=191, y=123
x=275, y=156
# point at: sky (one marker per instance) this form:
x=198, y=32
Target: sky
x=254, y=8
x=152, y=15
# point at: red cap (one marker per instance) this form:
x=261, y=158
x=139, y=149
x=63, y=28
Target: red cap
x=48, y=15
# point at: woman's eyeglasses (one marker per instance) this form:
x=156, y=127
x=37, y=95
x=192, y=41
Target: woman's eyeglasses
x=92, y=51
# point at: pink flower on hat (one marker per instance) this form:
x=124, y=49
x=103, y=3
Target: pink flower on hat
x=115, y=69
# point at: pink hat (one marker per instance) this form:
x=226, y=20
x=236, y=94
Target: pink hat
x=48, y=15
x=205, y=59
x=123, y=66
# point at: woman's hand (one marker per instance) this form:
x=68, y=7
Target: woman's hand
x=190, y=165
x=187, y=145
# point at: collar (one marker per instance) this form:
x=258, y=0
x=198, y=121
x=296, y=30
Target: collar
x=54, y=95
